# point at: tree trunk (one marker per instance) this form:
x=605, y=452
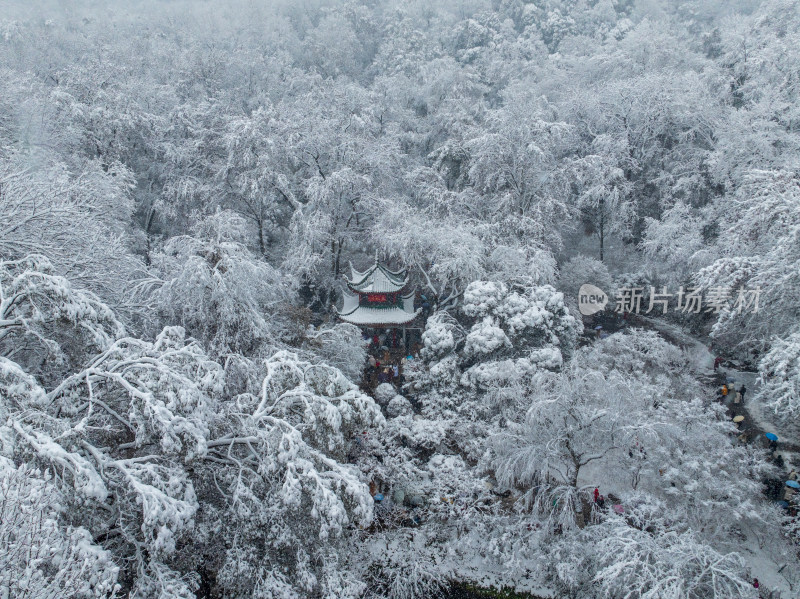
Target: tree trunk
x=573, y=482
x=337, y=259
x=334, y=258
x=148, y=225
x=261, y=245
x=602, y=227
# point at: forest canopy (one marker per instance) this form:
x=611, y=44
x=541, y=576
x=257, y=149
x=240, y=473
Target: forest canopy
x=184, y=186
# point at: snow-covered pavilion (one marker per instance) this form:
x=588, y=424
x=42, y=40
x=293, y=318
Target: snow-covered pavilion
x=378, y=298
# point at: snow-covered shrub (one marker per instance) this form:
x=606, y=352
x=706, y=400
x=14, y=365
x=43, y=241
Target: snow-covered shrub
x=417, y=432
x=486, y=375
x=482, y=297
x=442, y=374
x=384, y=393
x=580, y=270
x=440, y=336
x=485, y=338
x=399, y=406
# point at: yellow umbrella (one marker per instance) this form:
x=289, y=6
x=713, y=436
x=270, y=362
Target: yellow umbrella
x=738, y=419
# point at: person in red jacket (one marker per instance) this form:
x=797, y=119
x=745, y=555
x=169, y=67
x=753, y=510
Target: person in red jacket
x=596, y=494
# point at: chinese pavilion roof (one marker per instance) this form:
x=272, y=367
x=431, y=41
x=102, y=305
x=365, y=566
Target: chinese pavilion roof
x=377, y=279
x=376, y=298
x=357, y=314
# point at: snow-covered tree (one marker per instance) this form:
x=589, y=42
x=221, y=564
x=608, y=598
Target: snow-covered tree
x=780, y=375
x=514, y=330
x=220, y=292
x=512, y=161
x=761, y=254
x=43, y=317
x=642, y=555
x=43, y=557
x=255, y=173
x=76, y=218
x=141, y=442
x=286, y=496
x=616, y=410
x=675, y=242
x=574, y=419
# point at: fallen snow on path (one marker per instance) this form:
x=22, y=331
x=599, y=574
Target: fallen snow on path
x=762, y=415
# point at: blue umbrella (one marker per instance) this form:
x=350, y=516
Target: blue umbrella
x=378, y=497
x=771, y=436
x=783, y=504
x=793, y=484
x=597, y=328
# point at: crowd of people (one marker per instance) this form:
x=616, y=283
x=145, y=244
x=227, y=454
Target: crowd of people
x=385, y=369
x=775, y=489
x=389, y=353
